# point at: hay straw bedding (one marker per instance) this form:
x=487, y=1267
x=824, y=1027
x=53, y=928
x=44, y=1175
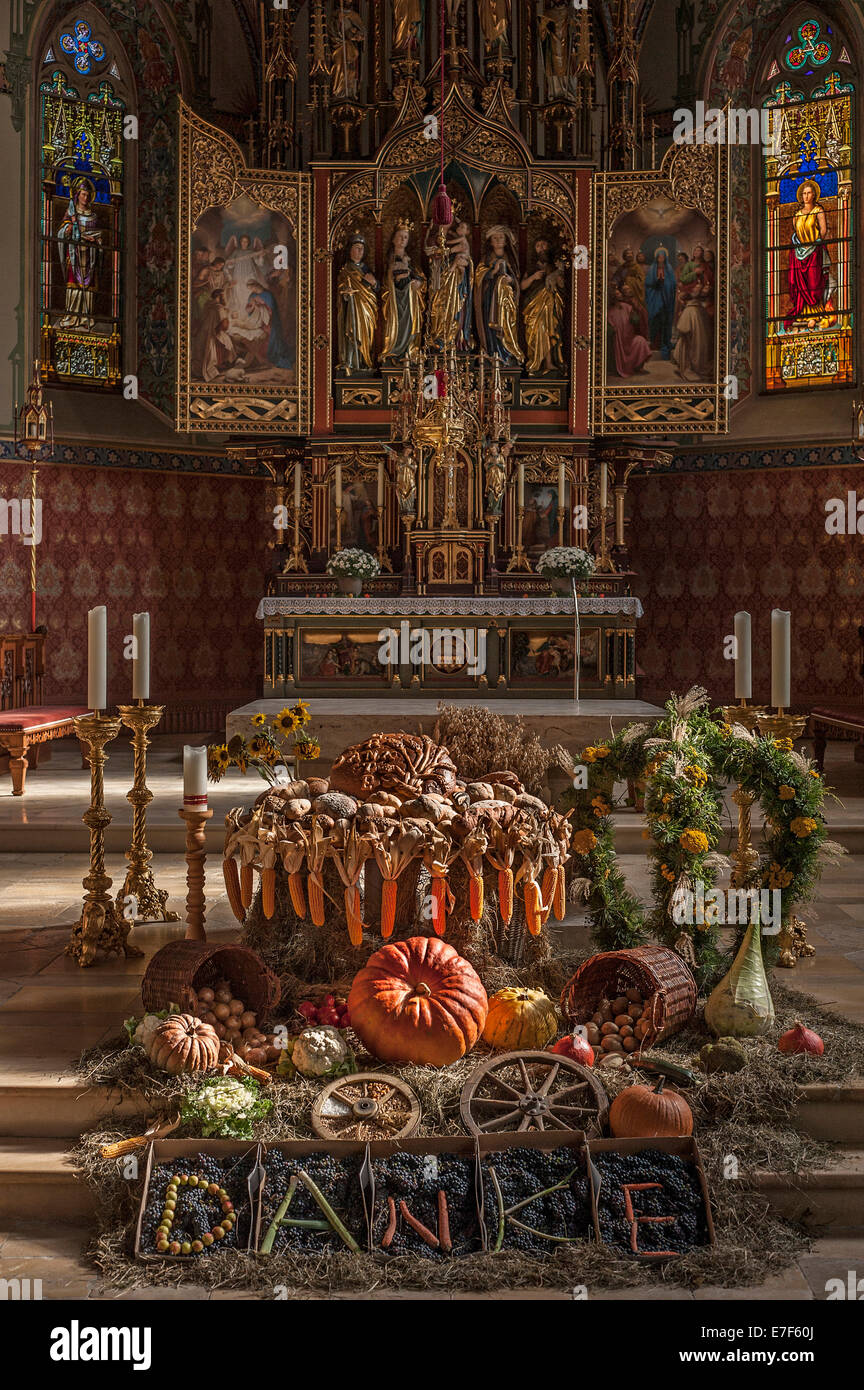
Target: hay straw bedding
x=748, y=1114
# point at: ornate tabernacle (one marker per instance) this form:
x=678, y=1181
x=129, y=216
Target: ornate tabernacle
x=386, y=296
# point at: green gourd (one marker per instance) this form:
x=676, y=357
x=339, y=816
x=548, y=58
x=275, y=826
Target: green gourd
x=741, y=1005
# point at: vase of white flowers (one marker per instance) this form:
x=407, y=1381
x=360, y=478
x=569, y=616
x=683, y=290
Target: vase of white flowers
x=351, y=567
x=564, y=563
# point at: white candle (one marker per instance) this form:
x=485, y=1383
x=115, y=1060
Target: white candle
x=781, y=658
x=97, y=657
x=604, y=484
x=298, y=486
x=521, y=485
x=141, y=656
x=380, y=482
x=561, y=485
x=743, y=657
x=337, y=486
x=195, y=777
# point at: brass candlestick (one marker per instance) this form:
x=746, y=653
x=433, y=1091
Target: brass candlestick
x=196, y=854
x=100, y=927
x=150, y=901
x=383, y=557
x=559, y=517
x=519, y=560
x=296, y=559
x=745, y=858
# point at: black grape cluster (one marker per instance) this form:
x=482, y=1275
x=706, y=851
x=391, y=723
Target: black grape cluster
x=680, y=1197
x=338, y=1180
x=196, y=1211
x=521, y=1172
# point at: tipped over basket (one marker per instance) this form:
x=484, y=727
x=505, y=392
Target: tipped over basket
x=180, y=969
x=662, y=977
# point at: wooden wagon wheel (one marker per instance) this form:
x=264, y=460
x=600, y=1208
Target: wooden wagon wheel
x=519, y=1092
x=366, y=1105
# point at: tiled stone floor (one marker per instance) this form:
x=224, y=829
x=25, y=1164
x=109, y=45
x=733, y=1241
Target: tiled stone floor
x=50, y=1010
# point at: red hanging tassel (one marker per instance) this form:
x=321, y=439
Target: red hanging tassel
x=440, y=382
x=442, y=208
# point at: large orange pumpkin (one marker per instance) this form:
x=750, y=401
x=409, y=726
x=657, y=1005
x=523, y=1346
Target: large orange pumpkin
x=520, y=1019
x=640, y=1112
x=418, y=1001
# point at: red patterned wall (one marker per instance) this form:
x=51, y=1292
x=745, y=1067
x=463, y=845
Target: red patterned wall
x=188, y=549
x=707, y=544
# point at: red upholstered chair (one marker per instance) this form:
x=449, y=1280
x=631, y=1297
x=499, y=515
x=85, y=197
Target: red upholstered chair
x=839, y=719
x=32, y=725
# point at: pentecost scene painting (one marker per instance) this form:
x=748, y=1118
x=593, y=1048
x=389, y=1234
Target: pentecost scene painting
x=431, y=674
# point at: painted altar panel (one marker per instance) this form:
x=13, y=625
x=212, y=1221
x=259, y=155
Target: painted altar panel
x=660, y=296
x=243, y=290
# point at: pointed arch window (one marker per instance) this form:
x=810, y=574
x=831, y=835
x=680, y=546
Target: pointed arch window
x=807, y=171
x=82, y=153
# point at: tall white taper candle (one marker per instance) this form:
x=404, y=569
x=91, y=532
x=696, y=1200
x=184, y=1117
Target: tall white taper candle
x=781, y=658
x=604, y=487
x=380, y=502
x=743, y=657
x=298, y=485
x=141, y=657
x=520, y=483
x=195, y=776
x=562, y=478
x=97, y=657
x=337, y=486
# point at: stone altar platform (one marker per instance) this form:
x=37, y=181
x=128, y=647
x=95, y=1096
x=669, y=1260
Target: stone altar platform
x=339, y=722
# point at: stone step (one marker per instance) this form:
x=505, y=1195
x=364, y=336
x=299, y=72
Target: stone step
x=60, y=1108
x=833, y=1112
x=830, y=1196
x=37, y=1181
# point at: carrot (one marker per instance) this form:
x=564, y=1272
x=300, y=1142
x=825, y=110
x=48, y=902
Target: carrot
x=533, y=907
x=423, y=1231
x=246, y=884
x=388, y=906
x=390, y=1232
x=268, y=892
x=559, y=900
x=232, y=883
x=444, y=1222
x=352, y=915
x=505, y=894
x=298, y=901
x=476, y=897
x=316, y=899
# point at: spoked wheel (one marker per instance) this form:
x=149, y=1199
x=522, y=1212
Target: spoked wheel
x=524, y=1092
x=366, y=1105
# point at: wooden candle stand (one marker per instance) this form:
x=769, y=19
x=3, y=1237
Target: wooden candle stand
x=196, y=854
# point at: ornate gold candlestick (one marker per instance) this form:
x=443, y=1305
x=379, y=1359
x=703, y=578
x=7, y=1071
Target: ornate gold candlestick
x=383, y=557
x=559, y=517
x=745, y=858
x=296, y=560
x=792, y=941
x=196, y=854
x=100, y=927
x=150, y=900
x=519, y=560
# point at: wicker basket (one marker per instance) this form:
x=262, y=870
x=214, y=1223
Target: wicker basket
x=657, y=972
x=182, y=967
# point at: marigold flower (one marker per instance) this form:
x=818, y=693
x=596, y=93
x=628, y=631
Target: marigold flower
x=583, y=841
x=694, y=841
x=786, y=793
x=802, y=826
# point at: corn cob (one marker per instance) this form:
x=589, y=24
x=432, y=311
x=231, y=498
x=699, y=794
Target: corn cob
x=298, y=901
x=315, y=888
x=388, y=906
x=547, y=892
x=352, y=915
x=505, y=894
x=246, y=884
x=439, y=904
x=232, y=883
x=268, y=892
x=559, y=900
x=533, y=907
x=476, y=897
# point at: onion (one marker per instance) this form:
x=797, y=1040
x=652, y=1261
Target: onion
x=211, y=1019
x=801, y=1039
x=248, y=1019
x=224, y=996
x=220, y=1029
x=256, y=1056
x=206, y=996
x=221, y=1011
x=236, y=1006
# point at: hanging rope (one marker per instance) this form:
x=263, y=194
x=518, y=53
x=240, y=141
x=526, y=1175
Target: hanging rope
x=442, y=208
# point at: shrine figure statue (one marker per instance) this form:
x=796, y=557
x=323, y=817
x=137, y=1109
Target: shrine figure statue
x=357, y=291
x=406, y=481
x=543, y=312
x=403, y=300
x=496, y=296
x=451, y=279
x=79, y=240
x=495, y=478
x=495, y=18
x=812, y=283
x=407, y=23
x=557, y=35
x=347, y=36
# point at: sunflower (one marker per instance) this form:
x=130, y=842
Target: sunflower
x=286, y=721
x=260, y=746
x=301, y=712
x=221, y=757
x=307, y=749
x=259, y=719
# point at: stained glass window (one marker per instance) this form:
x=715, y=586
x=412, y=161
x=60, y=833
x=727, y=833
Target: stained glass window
x=807, y=171
x=82, y=194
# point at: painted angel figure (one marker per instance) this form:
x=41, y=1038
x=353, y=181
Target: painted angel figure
x=244, y=261
x=79, y=239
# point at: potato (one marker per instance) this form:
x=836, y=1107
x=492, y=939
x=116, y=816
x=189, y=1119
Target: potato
x=619, y=1005
x=634, y=995
x=224, y=996
x=206, y=996
x=622, y=1019
x=610, y=1059
x=630, y=1044
x=636, y=1011
x=612, y=1044
x=592, y=1033
x=608, y=1029
x=256, y=1056
x=597, y=1019
x=626, y=1031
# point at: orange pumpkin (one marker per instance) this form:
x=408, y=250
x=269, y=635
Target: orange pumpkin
x=418, y=1001
x=519, y=1020
x=640, y=1112
x=183, y=1043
